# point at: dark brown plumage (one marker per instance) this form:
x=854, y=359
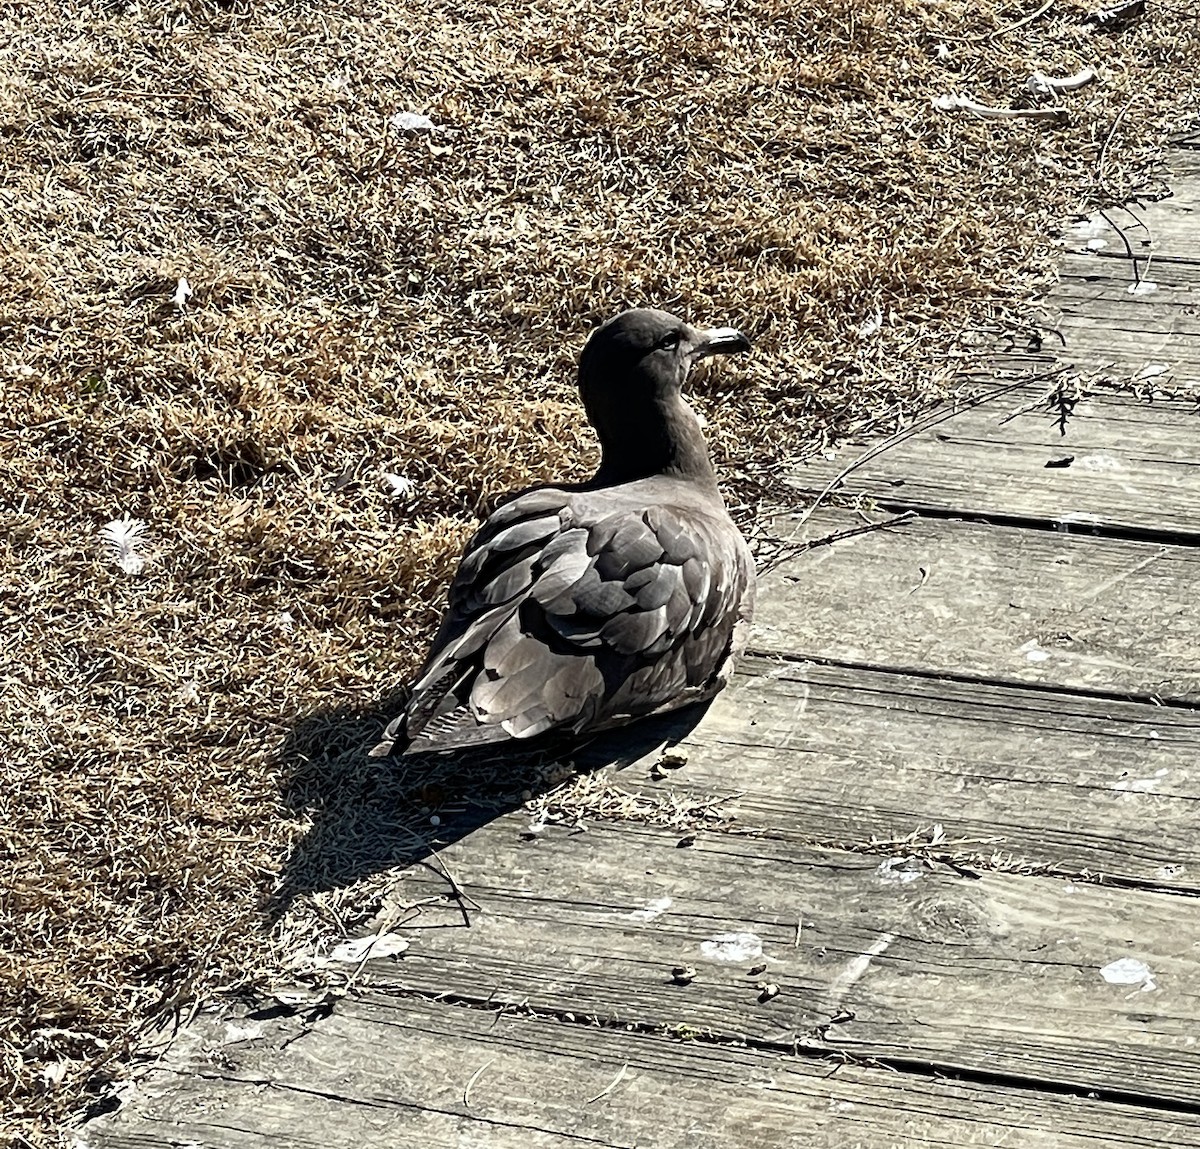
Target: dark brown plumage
x=577, y=608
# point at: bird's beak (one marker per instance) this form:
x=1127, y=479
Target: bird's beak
x=720, y=341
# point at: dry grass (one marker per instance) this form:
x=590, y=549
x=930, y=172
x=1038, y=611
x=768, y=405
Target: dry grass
x=368, y=301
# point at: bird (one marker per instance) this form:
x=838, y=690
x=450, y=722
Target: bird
x=580, y=607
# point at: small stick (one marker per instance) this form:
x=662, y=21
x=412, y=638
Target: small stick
x=385, y=924
x=981, y=36
x=1112, y=131
x=474, y=1078
x=962, y=104
x=460, y=895
x=1149, y=235
x=837, y=536
x=1042, y=84
x=924, y=579
x=611, y=1085
x=850, y=532
x=1108, y=219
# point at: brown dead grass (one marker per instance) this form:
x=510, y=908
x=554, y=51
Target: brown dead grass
x=368, y=300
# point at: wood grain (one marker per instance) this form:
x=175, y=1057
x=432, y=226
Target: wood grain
x=1106, y=323
x=1166, y=230
x=995, y=974
x=1069, y=784
x=1134, y=466
x=949, y=597
x=409, y=1072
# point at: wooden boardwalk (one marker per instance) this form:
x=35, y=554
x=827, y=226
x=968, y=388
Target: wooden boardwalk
x=945, y=885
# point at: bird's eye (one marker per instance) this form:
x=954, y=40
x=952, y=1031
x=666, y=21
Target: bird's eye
x=670, y=340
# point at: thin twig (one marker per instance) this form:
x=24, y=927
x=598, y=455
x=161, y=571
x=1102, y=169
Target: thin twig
x=924, y=579
x=795, y=549
x=460, y=895
x=980, y=37
x=611, y=1085
x=931, y=420
x=1149, y=237
x=1137, y=279
x=474, y=1078
x=382, y=927
x=1064, y=404
x=1112, y=131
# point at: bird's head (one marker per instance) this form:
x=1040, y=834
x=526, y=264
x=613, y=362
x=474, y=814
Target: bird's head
x=631, y=374
x=645, y=354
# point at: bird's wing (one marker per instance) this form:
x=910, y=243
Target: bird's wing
x=564, y=617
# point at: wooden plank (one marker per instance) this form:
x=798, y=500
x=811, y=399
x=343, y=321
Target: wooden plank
x=971, y=599
x=1042, y=780
x=1167, y=318
x=1093, y=285
x=1132, y=358
x=1134, y=465
x=409, y=1072
x=1103, y=330
x=997, y=975
x=1168, y=228
x=1102, y=315
x=1173, y=276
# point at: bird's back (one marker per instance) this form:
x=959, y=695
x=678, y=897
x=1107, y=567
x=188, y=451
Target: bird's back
x=578, y=609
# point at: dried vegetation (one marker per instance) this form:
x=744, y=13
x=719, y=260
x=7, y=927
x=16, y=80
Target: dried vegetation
x=370, y=297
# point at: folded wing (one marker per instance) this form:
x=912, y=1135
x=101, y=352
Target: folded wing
x=561, y=618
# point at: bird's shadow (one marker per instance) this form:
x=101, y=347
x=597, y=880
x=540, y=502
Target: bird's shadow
x=373, y=814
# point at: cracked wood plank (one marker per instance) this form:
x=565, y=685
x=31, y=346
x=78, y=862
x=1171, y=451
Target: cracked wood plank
x=1134, y=465
x=407, y=1071
x=1151, y=315
x=1159, y=347
x=1168, y=278
x=1045, y=781
x=970, y=599
x=996, y=974
x=1104, y=330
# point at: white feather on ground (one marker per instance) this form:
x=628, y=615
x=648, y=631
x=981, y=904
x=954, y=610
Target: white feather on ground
x=124, y=540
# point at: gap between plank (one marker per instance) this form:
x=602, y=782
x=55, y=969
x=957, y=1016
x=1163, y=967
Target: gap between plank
x=797, y=1049
x=1033, y=523
x=977, y=679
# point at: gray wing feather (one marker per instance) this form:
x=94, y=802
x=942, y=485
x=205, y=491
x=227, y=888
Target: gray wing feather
x=507, y=584
x=655, y=586
x=521, y=534
x=594, y=596
x=560, y=576
x=673, y=533
x=507, y=650
x=665, y=677
x=563, y=619
x=635, y=632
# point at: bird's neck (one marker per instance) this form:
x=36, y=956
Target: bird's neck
x=665, y=441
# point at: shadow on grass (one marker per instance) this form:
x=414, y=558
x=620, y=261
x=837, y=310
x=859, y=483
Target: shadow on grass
x=371, y=814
